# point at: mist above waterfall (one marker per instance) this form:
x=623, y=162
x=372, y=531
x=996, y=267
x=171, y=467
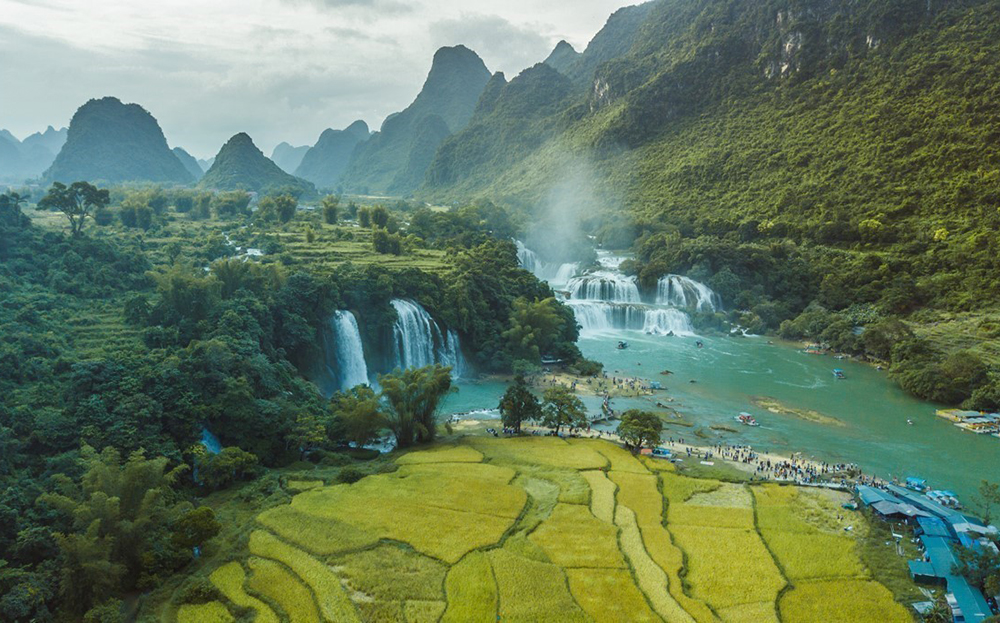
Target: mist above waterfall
x=558, y=233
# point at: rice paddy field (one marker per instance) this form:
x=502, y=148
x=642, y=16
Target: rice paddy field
x=538, y=529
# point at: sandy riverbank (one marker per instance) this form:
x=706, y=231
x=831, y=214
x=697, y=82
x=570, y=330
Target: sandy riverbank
x=759, y=465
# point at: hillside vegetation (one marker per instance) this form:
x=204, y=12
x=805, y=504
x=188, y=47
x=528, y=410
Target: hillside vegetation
x=826, y=165
x=110, y=141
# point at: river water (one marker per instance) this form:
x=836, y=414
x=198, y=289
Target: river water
x=865, y=419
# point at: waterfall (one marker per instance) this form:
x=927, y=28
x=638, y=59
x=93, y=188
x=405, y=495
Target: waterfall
x=667, y=321
x=557, y=275
x=418, y=341
x=526, y=257
x=684, y=293
x=602, y=317
x=349, y=352
x=210, y=441
x=605, y=286
x=564, y=273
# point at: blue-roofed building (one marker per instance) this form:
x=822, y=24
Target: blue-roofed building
x=923, y=572
x=870, y=495
x=932, y=526
x=967, y=604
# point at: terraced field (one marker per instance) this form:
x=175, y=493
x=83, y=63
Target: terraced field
x=542, y=529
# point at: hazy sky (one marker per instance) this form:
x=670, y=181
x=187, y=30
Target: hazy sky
x=281, y=70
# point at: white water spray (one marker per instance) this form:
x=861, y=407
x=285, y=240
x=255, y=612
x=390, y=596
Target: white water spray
x=418, y=340
x=349, y=352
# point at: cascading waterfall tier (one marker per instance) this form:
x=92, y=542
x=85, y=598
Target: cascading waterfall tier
x=605, y=286
x=685, y=293
x=418, y=341
x=557, y=275
x=349, y=352
x=603, y=317
x=607, y=300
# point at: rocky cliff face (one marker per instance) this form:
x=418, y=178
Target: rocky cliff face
x=395, y=156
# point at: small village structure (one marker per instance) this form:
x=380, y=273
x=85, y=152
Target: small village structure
x=941, y=529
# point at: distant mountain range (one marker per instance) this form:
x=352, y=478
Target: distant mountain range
x=20, y=160
x=324, y=163
x=690, y=106
x=240, y=165
x=288, y=157
x=189, y=162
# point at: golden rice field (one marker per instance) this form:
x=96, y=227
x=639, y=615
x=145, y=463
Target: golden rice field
x=540, y=529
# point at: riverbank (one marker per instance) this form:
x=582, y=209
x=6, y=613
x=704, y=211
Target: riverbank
x=757, y=466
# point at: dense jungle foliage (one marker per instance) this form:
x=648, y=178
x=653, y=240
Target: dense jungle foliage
x=124, y=343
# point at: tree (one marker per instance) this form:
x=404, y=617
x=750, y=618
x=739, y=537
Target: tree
x=357, y=416
x=981, y=568
x=307, y=431
x=77, y=201
x=232, y=203
x=364, y=217
x=195, y=527
x=285, y=206
x=988, y=499
x=412, y=398
x=118, y=518
x=519, y=405
x=384, y=242
x=232, y=464
x=10, y=209
x=640, y=428
x=534, y=328
x=562, y=408
x=380, y=217
x=330, y=205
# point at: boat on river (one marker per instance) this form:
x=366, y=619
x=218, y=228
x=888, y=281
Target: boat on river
x=746, y=419
x=622, y=345
x=838, y=373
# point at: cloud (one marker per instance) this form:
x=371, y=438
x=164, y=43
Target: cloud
x=280, y=70
x=378, y=6
x=503, y=45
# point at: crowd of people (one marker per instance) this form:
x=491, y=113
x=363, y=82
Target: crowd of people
x=766, y=467
x=603, y=385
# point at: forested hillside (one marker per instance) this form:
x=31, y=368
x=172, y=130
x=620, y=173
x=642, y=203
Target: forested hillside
x=395, y=159
x=115, y=142
x=130, y=337
x=839, y=155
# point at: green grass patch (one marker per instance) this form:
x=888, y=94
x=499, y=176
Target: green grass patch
x=471, y=591
x=444, y=454
x=334, y=604
x=573, y=537
x=229, y=579
x=274, y=582
x=841, y=601
x=649, y=577
x=532, y=591
x=212, y=612
x=550, y=451
x=317, y=535
x=602, y=495
x=609, y=595
x=442, y=510
x=391, y=572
